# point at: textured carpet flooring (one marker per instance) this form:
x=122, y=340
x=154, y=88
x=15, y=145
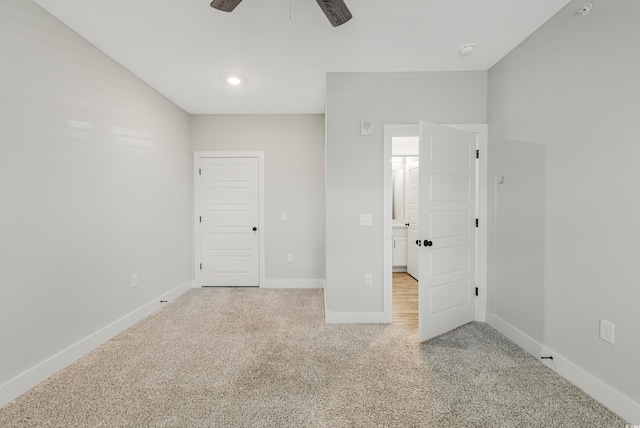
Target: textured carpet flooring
x=264, y=358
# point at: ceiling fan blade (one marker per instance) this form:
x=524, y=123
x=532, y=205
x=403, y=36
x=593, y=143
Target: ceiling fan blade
x=336, y=11
x=225, y=5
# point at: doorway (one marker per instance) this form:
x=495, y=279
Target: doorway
x=405, y=300
x=404, y=202
x=412, y=130
x=404, y=218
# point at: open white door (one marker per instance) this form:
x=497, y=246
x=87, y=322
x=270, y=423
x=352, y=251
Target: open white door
x=413, y=232
x=446, y=282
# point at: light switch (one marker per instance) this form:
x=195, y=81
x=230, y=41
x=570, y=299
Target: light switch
x=283, y=216
x=366, y=220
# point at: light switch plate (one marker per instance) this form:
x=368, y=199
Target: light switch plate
x=607, y=330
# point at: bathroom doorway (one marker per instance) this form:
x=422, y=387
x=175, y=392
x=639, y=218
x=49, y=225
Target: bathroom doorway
x=392, y=268
x=404, y=219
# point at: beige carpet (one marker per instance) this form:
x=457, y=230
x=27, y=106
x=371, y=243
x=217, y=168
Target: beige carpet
x=264, y=358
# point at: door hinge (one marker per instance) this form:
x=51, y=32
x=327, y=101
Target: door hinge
x=477, y=154
x=476, y=291
x=200, y=266
x=477, y=223
x=200, y=219
x=199, y=171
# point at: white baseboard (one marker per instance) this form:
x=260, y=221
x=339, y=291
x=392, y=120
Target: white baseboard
x=518, y=337
x=335, y=317
x=20, y=384
x=618, y=403
x=293, y=283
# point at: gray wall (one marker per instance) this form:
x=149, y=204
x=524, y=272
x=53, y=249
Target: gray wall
x=293, y=147
x=355, y=165
x=564, y=110
x=94, y=178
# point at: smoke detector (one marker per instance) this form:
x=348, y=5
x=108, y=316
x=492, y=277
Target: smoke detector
x=466, y=50
x=586, y=9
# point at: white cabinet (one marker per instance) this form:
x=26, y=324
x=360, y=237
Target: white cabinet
x=399, y=253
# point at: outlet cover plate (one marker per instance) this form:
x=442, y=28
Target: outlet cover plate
x=607, y=330
x=368, y=280
x=366, y=220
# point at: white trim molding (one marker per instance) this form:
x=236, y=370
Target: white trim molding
x=293, y=283
x=617, y=402
x=368, y=317
x=20, y=384
x=482, y=242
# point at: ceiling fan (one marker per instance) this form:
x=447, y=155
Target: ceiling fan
x=336, y=11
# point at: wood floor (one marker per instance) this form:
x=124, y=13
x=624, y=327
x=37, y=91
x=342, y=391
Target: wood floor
x=405, y=299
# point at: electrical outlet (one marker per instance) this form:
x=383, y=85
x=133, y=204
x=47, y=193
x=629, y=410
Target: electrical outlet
x=289, y=258
x=368, y=279
x=366, y=220
x=134, y=280
x=607, y=330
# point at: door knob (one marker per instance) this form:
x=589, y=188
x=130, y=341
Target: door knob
x=255, y=228
x=427, y=243
x=418, y=243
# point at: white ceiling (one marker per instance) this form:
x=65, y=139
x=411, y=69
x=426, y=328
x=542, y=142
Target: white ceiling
x=283, y=48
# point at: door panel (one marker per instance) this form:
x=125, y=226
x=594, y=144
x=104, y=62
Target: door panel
x=229, y=245
x=449, y=296
x=449, y=188
x=231, y=217
x=450, y=224
x=448, y=260
x=231, y=241
x=413, y=166
x=224, y=264
x=449, y=151
x=446, y=280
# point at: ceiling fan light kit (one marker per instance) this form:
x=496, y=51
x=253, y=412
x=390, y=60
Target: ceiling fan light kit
x=335, y=10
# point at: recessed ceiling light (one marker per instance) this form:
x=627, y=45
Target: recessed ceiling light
x=466, y=50
x=234, y=80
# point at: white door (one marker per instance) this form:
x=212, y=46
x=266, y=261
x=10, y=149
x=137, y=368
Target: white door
x=446, y=281
x=229, y=202
x=413, y=166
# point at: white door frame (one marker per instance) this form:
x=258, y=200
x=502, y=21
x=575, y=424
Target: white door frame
x=412, y=130
x=197, y=156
